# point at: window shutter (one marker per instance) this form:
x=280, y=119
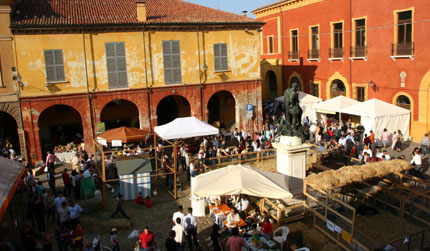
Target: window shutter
x=116, y=65
x=54, y=64
x=224, y=61
x=172, y=62
x=220, y=57
x=59, y=65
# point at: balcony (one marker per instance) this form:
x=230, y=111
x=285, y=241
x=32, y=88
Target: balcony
x=335, y=54
x=358, y=52
x=314, y=55
x=293, y=56
x=402, y=51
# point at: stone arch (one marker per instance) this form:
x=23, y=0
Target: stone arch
x=272, y=83
x=12, y=110
x=59, y=124
x=171, y=107
x=222, y=107
x=294, y=76
x=9, y=131
x=411, y=100
x=120, y=112
x=333, y=77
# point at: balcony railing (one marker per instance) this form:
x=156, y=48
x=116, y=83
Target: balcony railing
x=403, y=49
x=358, y=51
x=313, y=54
x=293, y=55
x=336, y=52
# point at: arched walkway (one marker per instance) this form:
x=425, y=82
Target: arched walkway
x=9, y=131
x=337, y=88
x=404, y=102
x=119, y=113
x=172, y=107
x=273, y=85
x=222, y=108
x=59, y=125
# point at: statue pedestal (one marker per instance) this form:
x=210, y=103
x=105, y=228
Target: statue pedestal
x=291, y=161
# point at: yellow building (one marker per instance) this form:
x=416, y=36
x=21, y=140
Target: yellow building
x=131, y=63
x=10, y=118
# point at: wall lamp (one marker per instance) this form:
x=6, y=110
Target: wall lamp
x=373, y=85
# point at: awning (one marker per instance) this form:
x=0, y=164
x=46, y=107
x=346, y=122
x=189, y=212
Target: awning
x=11, y=172
x=188, y=127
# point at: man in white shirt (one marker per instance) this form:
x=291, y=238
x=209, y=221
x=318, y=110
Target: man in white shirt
x=191, y=228
x=60, y=199
x=385, y=155
x=417, y=160
x=368, y=151
x=244, y=135
x=179, y=234
x=179, y=214
x=342, y=142
x=75, y=212
x=242, y=204
x=233, y=220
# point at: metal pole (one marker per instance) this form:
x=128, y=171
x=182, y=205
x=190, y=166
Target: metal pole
x=175, y=156
x=88, y=88
x=146, y=80
x=104, y=180
x=200, y=75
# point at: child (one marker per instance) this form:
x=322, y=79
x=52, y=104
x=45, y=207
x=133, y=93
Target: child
x=139, y=200
x=114, y=239
x=148, y=202
x=137, y=248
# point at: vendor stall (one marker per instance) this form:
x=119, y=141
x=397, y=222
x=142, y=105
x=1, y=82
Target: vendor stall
x=377, y=115
x=334, y=105
x=182, y=128
x=134, y=173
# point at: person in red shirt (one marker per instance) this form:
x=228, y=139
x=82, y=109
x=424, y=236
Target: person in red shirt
x=139, y=200
x=267, y=228
x=235, y=242
x=148, y=202
x=147, y=239
x=67, y=183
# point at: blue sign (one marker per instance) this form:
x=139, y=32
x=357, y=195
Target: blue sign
x=249, y=107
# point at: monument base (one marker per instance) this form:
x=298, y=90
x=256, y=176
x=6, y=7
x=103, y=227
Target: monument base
x=291, y=161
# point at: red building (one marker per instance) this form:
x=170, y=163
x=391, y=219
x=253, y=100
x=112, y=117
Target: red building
x=361, y=49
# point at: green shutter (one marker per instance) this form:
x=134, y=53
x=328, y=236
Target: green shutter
x=172, y=62
x=116, y=65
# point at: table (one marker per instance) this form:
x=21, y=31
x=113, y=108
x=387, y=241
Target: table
x=65, y=157
x=219, y=215
x=266, y=245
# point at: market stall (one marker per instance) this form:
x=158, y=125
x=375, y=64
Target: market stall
x=334, y=105
x=182, y=128
x=377, y=115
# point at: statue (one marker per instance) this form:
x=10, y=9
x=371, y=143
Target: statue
x=292, y=126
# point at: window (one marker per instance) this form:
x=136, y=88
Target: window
x=404, y=102
x=270, y=45
x=404, y=34
x=316, y=90
x=360, y=94
x=116, y=65
x=404, y=45
x=172, y=62
x=294, y=51
x=359, y=50
x=54, y=66
x=314, y=51
x=337, y=50
x=220, y=57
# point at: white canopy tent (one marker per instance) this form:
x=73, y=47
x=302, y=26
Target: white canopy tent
x=377, y=115
x=334, y=105
x=182, y=128
x=307, y=103
x=241, y=179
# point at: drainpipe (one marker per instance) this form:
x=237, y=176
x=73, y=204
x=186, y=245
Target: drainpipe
x=88, y=87
x=200, y=74
x=350, y=46
x=146, y=79
x=283, y=52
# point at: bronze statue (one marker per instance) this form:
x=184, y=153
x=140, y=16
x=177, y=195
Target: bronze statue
x=293, y=113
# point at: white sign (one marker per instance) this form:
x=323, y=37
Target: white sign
x=249, y=114
x=102, y=142
x=117, y=142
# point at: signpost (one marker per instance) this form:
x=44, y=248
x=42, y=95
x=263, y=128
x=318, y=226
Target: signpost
x=249, y=111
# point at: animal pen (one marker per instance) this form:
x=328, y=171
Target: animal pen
x=402, y=202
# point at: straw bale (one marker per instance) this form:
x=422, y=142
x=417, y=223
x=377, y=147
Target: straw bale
x=350, y=174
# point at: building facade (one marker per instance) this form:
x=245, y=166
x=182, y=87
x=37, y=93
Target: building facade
x=131, y=63
x=10, y=115
x=360, y=49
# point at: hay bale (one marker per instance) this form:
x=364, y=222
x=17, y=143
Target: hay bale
x=121, y=224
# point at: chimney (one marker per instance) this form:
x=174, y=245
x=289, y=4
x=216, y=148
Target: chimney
x=244, y=13
x=141, y=11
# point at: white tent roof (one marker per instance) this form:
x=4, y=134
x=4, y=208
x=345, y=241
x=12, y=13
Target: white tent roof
x=375, y=108
x=241, y=179
x=304, y=98
x=334, y=105
x=182, y=128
